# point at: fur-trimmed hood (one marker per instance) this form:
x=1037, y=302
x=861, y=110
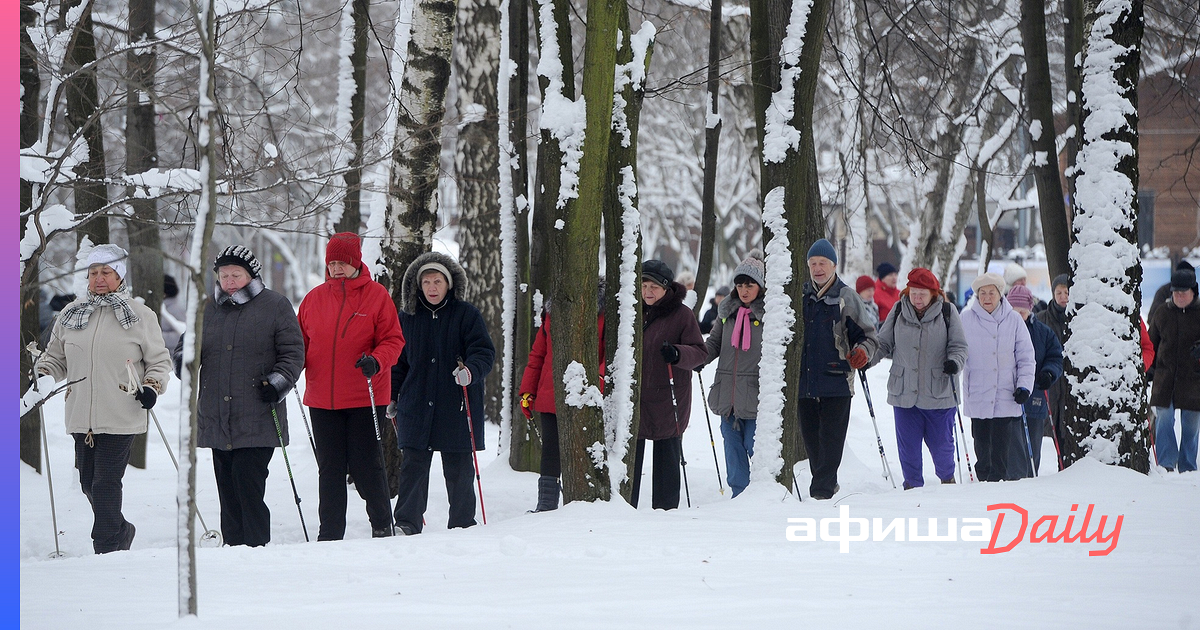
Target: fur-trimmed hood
x=412, y=287
x=731, y=303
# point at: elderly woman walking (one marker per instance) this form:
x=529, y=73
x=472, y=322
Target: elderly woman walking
x=999, y=374
x=924, y=337
x=113, y=346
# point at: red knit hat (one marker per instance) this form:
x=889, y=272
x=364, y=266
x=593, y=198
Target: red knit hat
x=344, y=247
x=923, y=278
x=863, y=283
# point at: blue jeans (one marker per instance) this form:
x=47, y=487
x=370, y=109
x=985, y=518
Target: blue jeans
x=739, y=448
x=1168, y=452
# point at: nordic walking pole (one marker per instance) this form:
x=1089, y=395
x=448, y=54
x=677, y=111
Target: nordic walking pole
x=712, y=442
x=50, y=482
x=961, y=431
x=887, y=469
x=209, y=534
x=279, y=432
x=682, y=460
x=957, y=455
x=1054, y=430
x=1028, y=442
x=471, y=434
x=379, y=441
x=307, y=427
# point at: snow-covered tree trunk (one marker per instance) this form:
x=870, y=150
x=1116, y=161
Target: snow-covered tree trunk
x=31, y=85
x=205, y=16
x=622, y=255
x=1039, y=102
x=1106, y=407
x=588, y=123
x=141, y=155
x=413, y=183
x=786, y=41
x=523, y=445
x=476, y=161
x=351, y=111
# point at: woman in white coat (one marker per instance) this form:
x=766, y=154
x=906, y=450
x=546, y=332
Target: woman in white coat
x=998, y=376
x=113, y=347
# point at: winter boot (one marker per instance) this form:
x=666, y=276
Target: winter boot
x=548, y=490
x=947, y=482
x=381, y=532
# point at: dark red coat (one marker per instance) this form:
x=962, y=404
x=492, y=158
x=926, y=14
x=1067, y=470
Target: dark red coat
x=538, y=378
x=668, y=320
x=341, y=319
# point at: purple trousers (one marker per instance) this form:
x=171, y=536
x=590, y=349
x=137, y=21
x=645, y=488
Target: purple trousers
x=933, y=426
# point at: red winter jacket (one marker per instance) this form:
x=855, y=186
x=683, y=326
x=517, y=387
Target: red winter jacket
x=885, y=298
x=341, y=319
x=538, y=378
x=1147, y=347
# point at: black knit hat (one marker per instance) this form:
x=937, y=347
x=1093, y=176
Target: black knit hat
x=658, y=272
x=1061, y=279
x=241, y=256
x=1183, y=279
x=885, y=269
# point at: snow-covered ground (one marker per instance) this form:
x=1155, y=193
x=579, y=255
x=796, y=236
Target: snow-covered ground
x=721, y=563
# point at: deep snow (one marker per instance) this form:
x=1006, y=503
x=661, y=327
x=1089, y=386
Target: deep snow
x=721, y=563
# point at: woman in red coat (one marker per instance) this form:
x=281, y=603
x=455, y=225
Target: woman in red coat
x=672, y=346
x=351, y=334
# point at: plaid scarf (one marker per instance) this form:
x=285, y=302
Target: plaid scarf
x=75, y=317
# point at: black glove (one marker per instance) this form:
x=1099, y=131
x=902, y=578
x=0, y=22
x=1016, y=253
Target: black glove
x=368, y=365
x=950, y=367
x=268, y=393
x=147, y=397
x=670, y=353
x=1043, y=380
x=1150, y=374
x=1021, y=395
x=1196, y=351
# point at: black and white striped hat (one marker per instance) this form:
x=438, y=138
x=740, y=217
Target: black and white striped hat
x=239, y=255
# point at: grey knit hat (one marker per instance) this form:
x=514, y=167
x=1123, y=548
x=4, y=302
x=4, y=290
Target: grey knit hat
x=752, y=267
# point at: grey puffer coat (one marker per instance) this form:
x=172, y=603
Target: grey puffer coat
x=249, y=337
x=919, y=348
x=735, y=388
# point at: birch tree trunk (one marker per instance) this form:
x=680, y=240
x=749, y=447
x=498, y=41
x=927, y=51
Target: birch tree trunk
x=412, y=186
x=1106, y=404
x=476, y=160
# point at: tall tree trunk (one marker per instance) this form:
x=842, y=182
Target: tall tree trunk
x=476, y=60
x=712, y=138
x=412, y=185
x=1040, y=104
x=1073, y=36
x=622, y=258
x=581, y=422
x=852, y=150
x=83, y=119
x=141, y=155
x=525, y=445
x=1106, y=404
x=360, y=32
x=785, y=79
x=31, y=86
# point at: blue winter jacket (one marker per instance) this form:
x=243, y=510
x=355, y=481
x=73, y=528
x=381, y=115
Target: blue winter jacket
x=1047, y=351
x=833, y=325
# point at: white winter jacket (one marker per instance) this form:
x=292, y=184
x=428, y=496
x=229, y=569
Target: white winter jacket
x=97, y=354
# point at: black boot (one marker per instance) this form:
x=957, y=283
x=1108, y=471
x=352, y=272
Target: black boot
x=548, y=490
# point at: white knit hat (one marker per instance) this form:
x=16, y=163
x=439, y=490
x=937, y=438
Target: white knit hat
x=110, y=255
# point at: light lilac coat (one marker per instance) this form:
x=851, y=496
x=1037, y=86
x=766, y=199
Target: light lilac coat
x=1000, y=359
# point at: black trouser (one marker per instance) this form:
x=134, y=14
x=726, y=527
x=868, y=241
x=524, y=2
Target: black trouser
x=101, y=467
x=551, y=463
x=241, y=484
x=992, y=442
x=413, y=497
x=1018, y=455
x=823, y=424
x=664, y=488
x=346, y=442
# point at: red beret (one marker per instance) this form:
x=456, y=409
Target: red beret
x=923, y=278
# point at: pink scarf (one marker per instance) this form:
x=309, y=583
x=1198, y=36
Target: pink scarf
x=741, y=329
